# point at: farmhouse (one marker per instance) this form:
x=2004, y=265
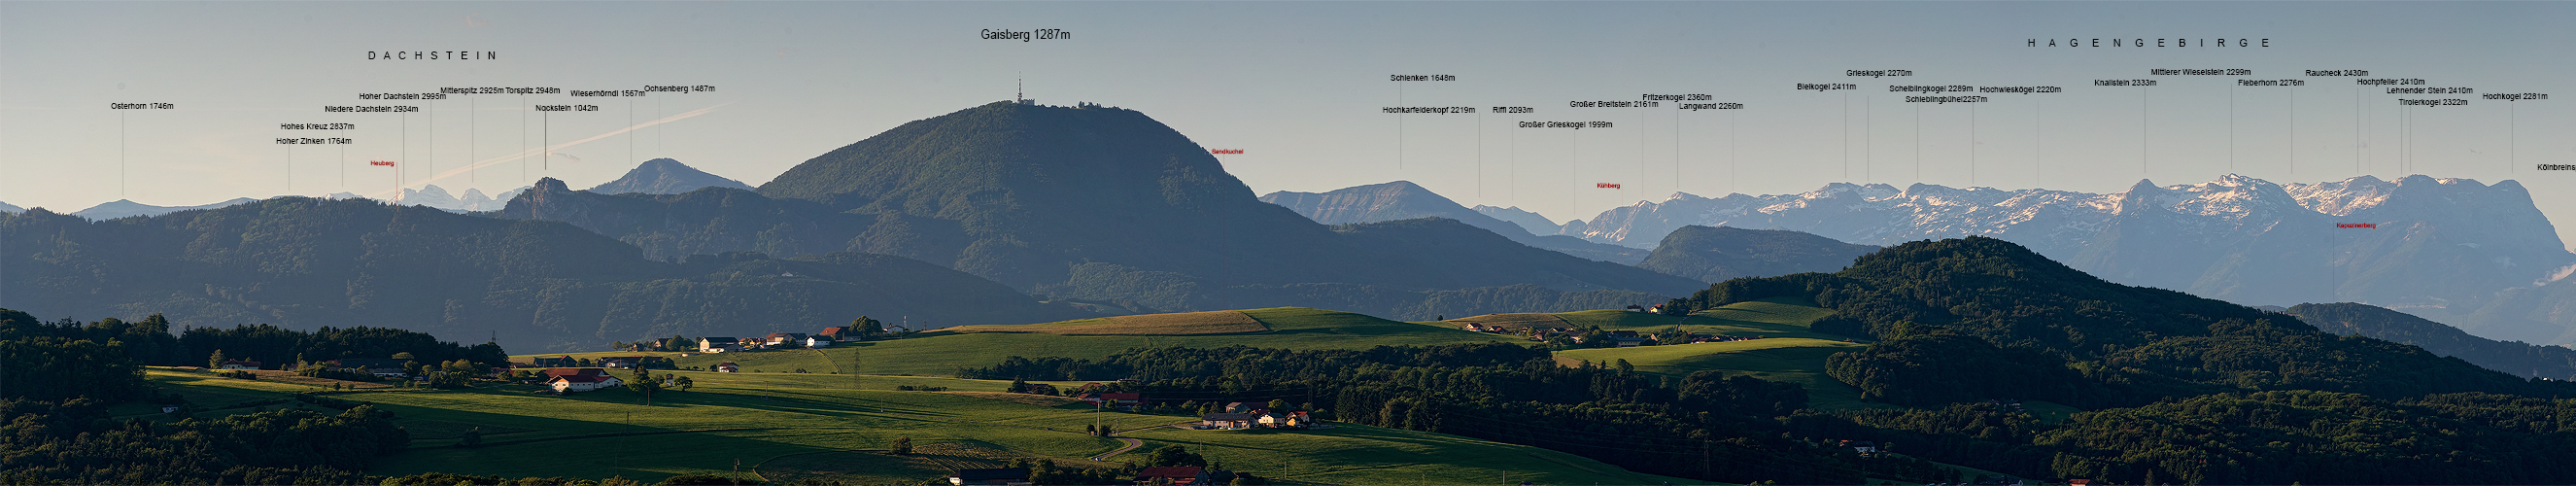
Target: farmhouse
x=839, y=333
x=582, y=383
x=819, y=341
x=240, y=364
x=990, y=476
x=1228, y=420
x=1290, y=420
x=728, y=367
x=1121, y=401
x=783, y=339
x=719, y=344
x=548, y=375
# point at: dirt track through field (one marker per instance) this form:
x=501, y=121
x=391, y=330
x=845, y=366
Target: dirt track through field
x=1517, y=321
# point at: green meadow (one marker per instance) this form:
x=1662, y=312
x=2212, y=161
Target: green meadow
x=1788, y=351
x=941, y=352
x=787, y=427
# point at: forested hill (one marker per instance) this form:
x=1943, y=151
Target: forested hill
x=1721, y=253
x=1977, y=318
x=1095, y=204
x=1020, y=193
x=1471, y=256
x=304, y=263
x=2511, y=357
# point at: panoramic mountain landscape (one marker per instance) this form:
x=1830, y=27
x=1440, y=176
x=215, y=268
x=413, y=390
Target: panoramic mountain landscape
x=1097, y=205
x=2477, y=256
x=1082, y=295
x=1351, y=243
x=1404, y=200
x=306, y=263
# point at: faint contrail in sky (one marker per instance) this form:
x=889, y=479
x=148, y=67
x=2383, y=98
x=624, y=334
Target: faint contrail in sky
x=542, y=150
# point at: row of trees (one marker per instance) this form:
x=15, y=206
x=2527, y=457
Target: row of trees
x=272, y=345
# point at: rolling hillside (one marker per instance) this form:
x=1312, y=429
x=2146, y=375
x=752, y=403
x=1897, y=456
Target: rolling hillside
x=303, y=263
x=1788, y=350
x=1100, y=206
x=788, y=428
x=1721, y=253
x=940, y=353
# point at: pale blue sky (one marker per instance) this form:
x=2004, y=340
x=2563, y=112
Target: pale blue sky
x=1298, y=86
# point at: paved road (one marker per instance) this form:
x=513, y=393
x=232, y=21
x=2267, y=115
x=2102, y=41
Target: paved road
x=1132, y=444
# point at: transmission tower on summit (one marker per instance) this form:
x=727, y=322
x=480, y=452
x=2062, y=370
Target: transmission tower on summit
x=1022, y=97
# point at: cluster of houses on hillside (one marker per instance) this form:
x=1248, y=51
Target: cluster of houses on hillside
x=778, y=340
x=1240, y=415
x=620, y=362
x=1619, y=338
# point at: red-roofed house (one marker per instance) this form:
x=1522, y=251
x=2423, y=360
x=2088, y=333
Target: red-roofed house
x=554, y=372
x=583, y=383
x=784, y=339
x=1121, y=401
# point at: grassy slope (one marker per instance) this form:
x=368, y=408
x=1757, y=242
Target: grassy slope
x=940, y=353
x=1767, y=318
x=1790, y=351
x=809, y=421
x=1358, y=454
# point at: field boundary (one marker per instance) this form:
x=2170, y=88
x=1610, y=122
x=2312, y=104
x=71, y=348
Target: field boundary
x=599, y=435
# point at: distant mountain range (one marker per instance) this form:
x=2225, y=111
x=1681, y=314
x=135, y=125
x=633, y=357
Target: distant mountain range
x=2513, y=358
x=431, y=196
x=665, y=176
x=1097, y=205
x=540, y=285
x=127, y=208
x=1722, y=253
x=2479, y=257
x=1402, y=200
x=473, y=200
x=11, y=208
x=1528, y=221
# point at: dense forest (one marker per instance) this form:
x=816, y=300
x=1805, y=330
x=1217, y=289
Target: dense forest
x=2122, y=346
x=57, y=380
x=2185, y=390
x=1743, y=429
x=2511, y=357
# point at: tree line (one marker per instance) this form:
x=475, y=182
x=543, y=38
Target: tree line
x=1706, y=425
